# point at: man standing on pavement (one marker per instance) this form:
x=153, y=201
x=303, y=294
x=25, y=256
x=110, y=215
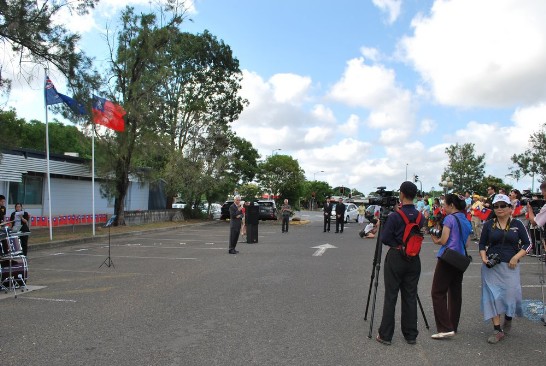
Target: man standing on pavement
x=340, y=215
x=286, y=210
x=235, y=218
x=327, y=210
x=401, y=274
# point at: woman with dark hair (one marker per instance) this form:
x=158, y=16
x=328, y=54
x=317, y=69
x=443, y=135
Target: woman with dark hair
x=20, y=219
x=447, y=284
x=500, y=252
x=518, y=211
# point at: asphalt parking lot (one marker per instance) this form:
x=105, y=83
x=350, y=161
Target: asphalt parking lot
x=176, y=297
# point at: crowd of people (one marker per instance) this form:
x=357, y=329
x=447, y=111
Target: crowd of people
x=505, y=230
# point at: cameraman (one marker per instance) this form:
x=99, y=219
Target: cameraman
x=538, y=220
x=501, y=286
x=447, y=283
x=400, y=273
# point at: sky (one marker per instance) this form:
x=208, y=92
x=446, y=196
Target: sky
x=366, y=93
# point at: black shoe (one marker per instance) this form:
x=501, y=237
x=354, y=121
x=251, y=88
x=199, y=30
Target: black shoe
x=335, y=232
x=341, y=231
x=382, y=341
x=411, y=341
x=324, y=230
x=233, y=251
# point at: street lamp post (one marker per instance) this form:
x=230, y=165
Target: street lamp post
x=447, y=184
x=273, y=151
x=406, y=172
x=314, y=174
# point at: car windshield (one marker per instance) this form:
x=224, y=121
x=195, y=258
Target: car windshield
x=267, y=204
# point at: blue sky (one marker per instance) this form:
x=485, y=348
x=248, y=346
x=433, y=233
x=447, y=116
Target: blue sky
x=357, y=90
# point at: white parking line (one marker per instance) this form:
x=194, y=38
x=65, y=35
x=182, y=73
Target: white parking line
x=131, y=257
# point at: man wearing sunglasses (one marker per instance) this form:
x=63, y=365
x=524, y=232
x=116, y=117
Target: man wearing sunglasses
x=491, y=192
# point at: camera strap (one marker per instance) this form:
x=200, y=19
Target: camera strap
x=461, y=234
x=504, y=231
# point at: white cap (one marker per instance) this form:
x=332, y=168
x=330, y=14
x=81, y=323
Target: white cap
x=502, y=198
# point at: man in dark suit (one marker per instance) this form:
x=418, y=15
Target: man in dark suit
x=235, y=219
x=327, y=210
x=340, y=215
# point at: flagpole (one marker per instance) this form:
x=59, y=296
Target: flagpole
x=93, y=173
x=50, y=220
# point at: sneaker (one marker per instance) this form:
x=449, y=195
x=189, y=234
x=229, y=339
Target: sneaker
x=443, y=335
x=507, y=326
x=495, y=337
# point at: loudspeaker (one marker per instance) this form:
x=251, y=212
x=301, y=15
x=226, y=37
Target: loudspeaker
x=252, y=214
x=251, y=234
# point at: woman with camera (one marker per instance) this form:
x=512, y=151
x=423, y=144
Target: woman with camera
x=500, y=251
x=447, y=284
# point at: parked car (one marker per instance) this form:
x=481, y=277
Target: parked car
x=351, y=212
x=215, y=210
x=268, y=210
x=224, y=211
x=180, y=204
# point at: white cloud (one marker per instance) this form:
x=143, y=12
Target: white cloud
x=427, y=126
x=317, y=135
x=350, y=128
x=392, y=136
x=290, y=88
x=323, y=113
x=481, y=53
x=392, y=7
x=374, y=87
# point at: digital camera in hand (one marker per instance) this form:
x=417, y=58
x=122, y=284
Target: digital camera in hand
x=435, y=232
x=492, y=260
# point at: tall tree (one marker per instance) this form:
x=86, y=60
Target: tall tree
x=281, y=175
x=533, y=160
x=465, y=168
x=28, y=29
x=138, y=67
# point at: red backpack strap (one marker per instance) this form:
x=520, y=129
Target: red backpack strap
x=404, y=217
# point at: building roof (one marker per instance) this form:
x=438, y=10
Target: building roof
x=16, y=162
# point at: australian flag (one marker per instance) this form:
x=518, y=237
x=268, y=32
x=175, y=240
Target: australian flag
x=54, y=97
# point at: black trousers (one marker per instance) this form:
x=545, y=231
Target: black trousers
x=340, y=221
x=24, y=244
x=285, y=220
x=233, y=237
x=327, y=220
x=447, y=296
x=535, y=240
x=400, y=275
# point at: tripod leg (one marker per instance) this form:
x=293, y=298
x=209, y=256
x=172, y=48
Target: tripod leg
x=376, y=262
x=422, y=311
x=378, y=268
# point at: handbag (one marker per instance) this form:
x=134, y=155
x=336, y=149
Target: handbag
x=454, y=258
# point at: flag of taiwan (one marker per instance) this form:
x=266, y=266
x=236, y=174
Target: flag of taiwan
x=482, y=214
x=108, y=114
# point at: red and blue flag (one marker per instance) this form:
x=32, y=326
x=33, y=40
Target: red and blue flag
x=108, y=114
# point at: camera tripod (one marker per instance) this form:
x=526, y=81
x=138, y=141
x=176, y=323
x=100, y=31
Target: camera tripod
x=375, y=275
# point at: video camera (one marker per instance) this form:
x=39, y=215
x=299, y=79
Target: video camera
x=385, y=199
x=536, y=204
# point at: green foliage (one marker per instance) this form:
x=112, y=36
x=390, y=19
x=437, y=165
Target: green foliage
x=17, y=133
x=533, y=160
x=28, y=31
x=464, y=168
x=249, y=191
x=282, y=176
x=481, y=187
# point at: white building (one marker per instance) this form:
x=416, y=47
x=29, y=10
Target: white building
x=23, y=178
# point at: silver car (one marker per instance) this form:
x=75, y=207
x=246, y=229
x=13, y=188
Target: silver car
x=351, y=212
